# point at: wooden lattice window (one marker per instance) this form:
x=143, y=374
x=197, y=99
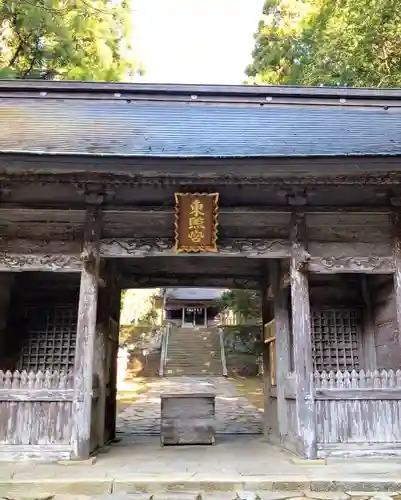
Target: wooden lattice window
x=335, y=339
x=50, y=336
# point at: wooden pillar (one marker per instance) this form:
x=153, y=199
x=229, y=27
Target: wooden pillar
x=100, y=358
x=112, y=355
x=397, y=269
x=6, y=282
x=281, y=316
x=368, y=334
x=267, y=412
x=301, y=328
x=86, y=334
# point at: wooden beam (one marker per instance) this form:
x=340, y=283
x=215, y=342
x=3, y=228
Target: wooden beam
x=358, y=394
x=147, y=247
x=40, y=452
x=86, y=333
x=45, y=395
x=367, y=265
x=13, y=262
x=301, y=327
x=19, y=212
x=199, y=280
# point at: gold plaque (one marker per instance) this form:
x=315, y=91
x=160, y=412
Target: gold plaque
x=196, y=222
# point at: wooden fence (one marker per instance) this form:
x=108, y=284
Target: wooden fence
x=358, y=412
x=35, y=414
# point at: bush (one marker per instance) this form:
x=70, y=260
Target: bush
x=133, y=333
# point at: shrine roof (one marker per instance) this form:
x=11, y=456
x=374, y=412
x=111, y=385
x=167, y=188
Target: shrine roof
x=193, y=293
x=184, y=121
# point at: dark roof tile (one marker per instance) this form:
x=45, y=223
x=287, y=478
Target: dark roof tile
x=184, y=129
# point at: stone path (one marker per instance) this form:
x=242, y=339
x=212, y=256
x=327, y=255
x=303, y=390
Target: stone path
x=235, y=495
x=234, y=413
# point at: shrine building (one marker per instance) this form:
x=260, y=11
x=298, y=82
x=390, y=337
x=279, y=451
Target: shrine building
x=289, y=190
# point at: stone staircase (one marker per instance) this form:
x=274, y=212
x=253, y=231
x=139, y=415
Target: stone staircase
x=193, y=351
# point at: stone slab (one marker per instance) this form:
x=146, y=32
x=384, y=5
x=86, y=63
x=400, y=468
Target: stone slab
x=89, y=461
x=19, y=488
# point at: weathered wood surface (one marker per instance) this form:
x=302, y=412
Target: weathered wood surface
x=290, y=383
x=301, y=328
x=35, y=408
x=42, y=453
x=86, y=334
x=397, y=271
x=187, y=419
x=282, y=344
x=369, y=265
x=120, y=246
x=368, y=338
x=387, y=345
x=148, y=247
x=17, y=262
x=357, y=408
x=355, y=450
x=269, y=404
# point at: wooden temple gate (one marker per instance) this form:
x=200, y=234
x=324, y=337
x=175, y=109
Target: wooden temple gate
x=86, y=211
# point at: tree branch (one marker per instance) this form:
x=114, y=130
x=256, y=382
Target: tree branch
x=17, y=52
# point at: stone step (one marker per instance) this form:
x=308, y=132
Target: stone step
x=184, y=354
x=193, y=352
x=171, y=355
x=241, y=495
x=193, y=347
x=92, y=486
x=191, y=368
x=186, y=342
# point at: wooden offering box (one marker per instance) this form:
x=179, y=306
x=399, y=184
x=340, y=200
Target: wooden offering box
x=187, y=419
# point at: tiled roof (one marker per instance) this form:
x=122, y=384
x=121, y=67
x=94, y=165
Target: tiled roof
x=103, y=125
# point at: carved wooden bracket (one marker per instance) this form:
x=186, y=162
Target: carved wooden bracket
x=298, y=197
x=95, y=193
x=302, y=260
x=39, y=262
x=140, y=247
x=368, y=265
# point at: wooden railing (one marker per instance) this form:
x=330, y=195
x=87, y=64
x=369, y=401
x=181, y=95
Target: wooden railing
x=357, y=412
x=222, y=353
x=35, y=409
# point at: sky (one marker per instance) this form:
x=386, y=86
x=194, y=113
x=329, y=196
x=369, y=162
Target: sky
x=195, y=41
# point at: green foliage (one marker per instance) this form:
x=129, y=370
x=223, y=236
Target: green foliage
x=328, y=42
x=134, y=333
x=242, y=331
x=139, y=306
x=245, y=303
x=248, y=336
x=66, y=39
x=148, y=318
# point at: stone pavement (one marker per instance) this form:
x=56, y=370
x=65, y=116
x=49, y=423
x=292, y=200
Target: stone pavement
x=234, y=413
x=234, y=465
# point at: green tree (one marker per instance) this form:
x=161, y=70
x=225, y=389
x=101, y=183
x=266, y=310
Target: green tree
x=245, y=303
x=328, y=42
x=66, y=39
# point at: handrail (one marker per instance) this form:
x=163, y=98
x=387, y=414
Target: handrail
x=223, y=353
x=163, y=354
